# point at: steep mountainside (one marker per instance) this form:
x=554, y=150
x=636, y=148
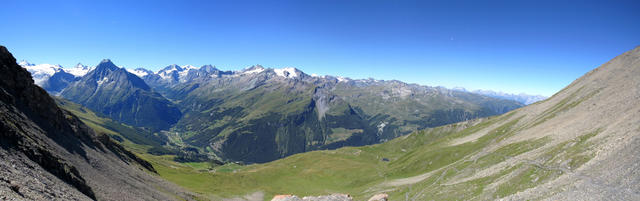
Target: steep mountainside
x=122, y=96
x=47, y=154
x=580, y=144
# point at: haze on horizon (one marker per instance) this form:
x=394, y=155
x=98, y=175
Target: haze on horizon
x=515, y=47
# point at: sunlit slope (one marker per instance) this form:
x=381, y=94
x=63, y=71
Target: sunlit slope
x=133, y=138
x=582, y=143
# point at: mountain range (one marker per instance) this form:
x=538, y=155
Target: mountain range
x=262, y=114
x=521, y=97
x=54, y=78
x=579, y=144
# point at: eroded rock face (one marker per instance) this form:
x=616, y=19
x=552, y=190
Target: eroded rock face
x=29, y=114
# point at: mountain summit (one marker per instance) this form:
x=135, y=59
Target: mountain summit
x=122, y=96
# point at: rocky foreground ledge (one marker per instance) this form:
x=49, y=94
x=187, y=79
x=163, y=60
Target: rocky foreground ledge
x=334, y=197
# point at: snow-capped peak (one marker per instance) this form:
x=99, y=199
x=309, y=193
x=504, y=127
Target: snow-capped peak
x=342, y=79
x=169, y=69
x=185, y=70
x=175, y=72
x=286, y=72
x=140, y=72
x=188, y=67
x=79, y=70
x=40, y=72
x=253, y=69
x=48, y=69
x=25, y=63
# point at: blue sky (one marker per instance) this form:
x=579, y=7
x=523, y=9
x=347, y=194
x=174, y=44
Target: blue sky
x=536, y=47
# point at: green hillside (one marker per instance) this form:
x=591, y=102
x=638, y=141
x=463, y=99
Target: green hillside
x=263, y=117
x=429, y=164
x=551, y=149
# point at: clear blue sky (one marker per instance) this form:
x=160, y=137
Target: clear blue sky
x=534, y=47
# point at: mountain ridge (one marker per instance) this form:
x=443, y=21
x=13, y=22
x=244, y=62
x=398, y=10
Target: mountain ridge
x=520, y=97
x=221, y=112
x=79, y=70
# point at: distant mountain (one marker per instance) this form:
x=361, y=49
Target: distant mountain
x=54, y=78
x=174, y=74
x=522, y=97
x=47, y=153
x=583, y=143
x=261, y=114
x=122, y=96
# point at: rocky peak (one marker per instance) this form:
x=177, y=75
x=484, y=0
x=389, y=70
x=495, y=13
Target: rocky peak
x=253, y=69
x=209, y=68
x=171, y=68
x=106, y=65
x=80, y=66
x=25, y=63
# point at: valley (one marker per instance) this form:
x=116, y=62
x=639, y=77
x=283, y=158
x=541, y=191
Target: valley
x=309, y=100
x=262, y=114
x=538, y=151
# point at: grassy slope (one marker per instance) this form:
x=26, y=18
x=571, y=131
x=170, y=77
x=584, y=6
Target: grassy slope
x=361, y=171
x=132, y=138
x=231, y=115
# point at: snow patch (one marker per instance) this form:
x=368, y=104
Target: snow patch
x=183, y=73
x=253, y=71
x=40, y=72
x=342, y=79
x=185, y=70
x=164, y=75
x=381, y=127
x=25, y=63
x=189, y=67
x=100, y=82
x=43, y=69
x=79, y=70
x=286, y=72
x=138, y=72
